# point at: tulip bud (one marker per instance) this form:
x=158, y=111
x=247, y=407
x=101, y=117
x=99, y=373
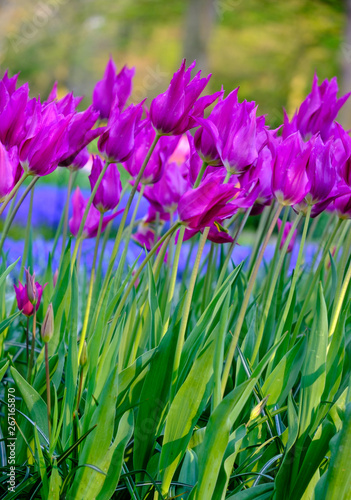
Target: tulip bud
x=47, y=329
x=32, y=292
x=84, y=355
x=256, y=411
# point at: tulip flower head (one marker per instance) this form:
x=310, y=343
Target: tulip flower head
x=29, y=296
x=118, y=141
x=91, y=225
x=114, y=89
x=290, y=183
x=10, y=170
x=317, y=112
x=210, y=202
x=109, y=191
x=176, y=110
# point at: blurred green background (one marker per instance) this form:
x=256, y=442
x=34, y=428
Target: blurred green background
x=270, y=48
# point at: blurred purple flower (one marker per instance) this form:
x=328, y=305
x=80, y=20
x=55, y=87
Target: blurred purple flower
x=109, y=191
x=10, y=170
x=113, y=90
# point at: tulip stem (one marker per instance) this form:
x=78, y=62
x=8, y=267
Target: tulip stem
x=136, y=276
x=80, y=388
x=48, y=395
x=31, y=358
x=129, y=229
x=13, y=192
x=173, y=280
x=13, y=213
x=86, y=211
x=262, y=226
x=121, y=228
x=342, y=286
x=227, y=177
x=246, y=299
x=200, y=175
x=27, y=340
x=314, y=279
x=186, y=311
x=231, y=248
x=91, y=287
x=271, y=287
x=65, y=216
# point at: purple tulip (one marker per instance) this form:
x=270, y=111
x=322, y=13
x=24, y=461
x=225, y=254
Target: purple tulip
x=210, y=202
x=214, y=235
x=29, y=296
x=118, y=140
x=45, y=142
x=342, y=206
x=165, y=194
x=79, y=134
x=144, y=236
x=290, y=183
x=109, y=191
x=113, y=87
x=317, y=112
x=229, y=135
x=176, y=111
x=13, y=106
x=257, y=182
x=80, y=160
x=10, y=170
x=92, y=222
x=10, y=83
x=320, y=171
x=286, y=232
x=159, y=157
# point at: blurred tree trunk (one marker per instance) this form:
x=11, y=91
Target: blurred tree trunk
x=345, y=113
x=199, y=21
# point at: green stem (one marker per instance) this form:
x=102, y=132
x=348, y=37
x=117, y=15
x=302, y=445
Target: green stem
x=13, y=192
x=121, y=228
x=294, y=278
x=13, y=213
x=271, y=285
x=343, y=284
x=227, y=177
x=28, y=230
x=219, y=355
x=261, y=230
x=138, y=272
x=91, y=287
x=231, y=248
x=48, y=395
x=200, y=175
x=268, y=279
x=186, y=310
x=31, y=358
x=173, y=280
x=65, y=216
x=246, y=300
x=85, y=214
x=314, y=279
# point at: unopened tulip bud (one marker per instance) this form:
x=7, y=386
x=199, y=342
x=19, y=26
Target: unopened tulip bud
x=84, y=355
x=32, y=292
x=258, y=408
x=47, y=329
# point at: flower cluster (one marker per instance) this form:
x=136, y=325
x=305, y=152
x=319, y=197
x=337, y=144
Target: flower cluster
x=194, y=169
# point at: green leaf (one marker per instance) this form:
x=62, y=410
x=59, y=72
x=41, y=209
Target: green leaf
x=280, y=382
x=154, y=397
x=3, y=369
x=218, y=430
x=336, y=482
x=115, y=456
x=7, y=272
x=35, y=404
x=184, y=412
x=313, y=370
x=88, y=483
x=261, y=492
